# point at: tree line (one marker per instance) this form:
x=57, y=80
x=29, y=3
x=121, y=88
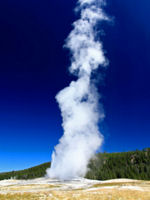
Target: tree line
x=104, y=166
x=133, y=165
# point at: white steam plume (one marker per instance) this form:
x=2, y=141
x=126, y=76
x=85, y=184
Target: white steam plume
x=79, y=101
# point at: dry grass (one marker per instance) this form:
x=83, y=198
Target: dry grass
x=78, y=195
x=25, y=196
x=134, y=183
x=104, y=191
x=103, y=195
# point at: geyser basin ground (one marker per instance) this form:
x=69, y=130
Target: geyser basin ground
x=79, y=189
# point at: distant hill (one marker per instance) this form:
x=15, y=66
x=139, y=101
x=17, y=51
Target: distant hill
x=30, y=173
x=133, y=164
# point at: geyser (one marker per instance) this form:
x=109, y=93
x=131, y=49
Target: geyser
x=79, y=101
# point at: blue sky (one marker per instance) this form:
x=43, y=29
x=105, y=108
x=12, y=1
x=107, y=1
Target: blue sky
x=33, y=68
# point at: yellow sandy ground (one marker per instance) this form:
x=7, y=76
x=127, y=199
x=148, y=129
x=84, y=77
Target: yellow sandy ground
x=107, y=190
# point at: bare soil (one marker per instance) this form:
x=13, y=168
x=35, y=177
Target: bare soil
x=79, y=189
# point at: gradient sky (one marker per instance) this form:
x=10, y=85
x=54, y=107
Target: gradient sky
x=34, y=67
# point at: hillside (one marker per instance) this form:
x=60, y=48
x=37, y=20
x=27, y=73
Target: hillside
x=31, y=173
x=133, y=165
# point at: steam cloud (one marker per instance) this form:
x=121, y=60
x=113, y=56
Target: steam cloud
x=79, y=101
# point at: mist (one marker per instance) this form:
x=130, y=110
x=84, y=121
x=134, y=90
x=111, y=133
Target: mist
x=79, y=102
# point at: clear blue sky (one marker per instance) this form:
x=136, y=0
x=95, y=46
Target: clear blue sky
x=33, y=68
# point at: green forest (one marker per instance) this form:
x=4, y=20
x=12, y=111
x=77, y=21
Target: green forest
x=104, y=166
x=133, y=165
x=31, y=173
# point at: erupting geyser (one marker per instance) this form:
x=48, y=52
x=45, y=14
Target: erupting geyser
x=79, y=101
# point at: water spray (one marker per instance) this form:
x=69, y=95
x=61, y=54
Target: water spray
x=79, y=102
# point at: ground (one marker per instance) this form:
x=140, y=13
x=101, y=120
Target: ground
x=79, y=189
